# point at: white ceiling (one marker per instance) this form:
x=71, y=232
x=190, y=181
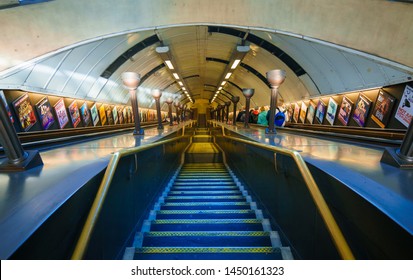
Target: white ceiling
x=76, y=70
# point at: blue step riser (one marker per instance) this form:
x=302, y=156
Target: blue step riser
x=227, y=256
x=207, y=241
x=170, y=199
x=203, y=177
x=202, y=193
x=207, y=227
x=214, y=207
x=200, y=189
x=207, y=216
x=218, y=179
x=203, y=172
x=215, y=184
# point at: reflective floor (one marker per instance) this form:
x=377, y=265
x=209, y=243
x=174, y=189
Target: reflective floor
x=357, y=166
x=27, y=198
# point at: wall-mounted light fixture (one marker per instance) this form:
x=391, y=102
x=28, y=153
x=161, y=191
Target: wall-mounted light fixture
x=169, y=101
x=130, y=82
x=156, y=94
x=176, y=105
x=237, y=56
x=275, y=78
x=248, y=93
x=165, y=54
x=235, y=100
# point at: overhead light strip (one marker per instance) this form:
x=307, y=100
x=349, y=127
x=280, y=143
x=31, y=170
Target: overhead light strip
x=239, y=53
x=164, y=53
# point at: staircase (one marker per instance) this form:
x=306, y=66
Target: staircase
x=205, y=213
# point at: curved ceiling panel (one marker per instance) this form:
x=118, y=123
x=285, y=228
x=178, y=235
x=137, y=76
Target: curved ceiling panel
x=335, y=70
x=92, y=70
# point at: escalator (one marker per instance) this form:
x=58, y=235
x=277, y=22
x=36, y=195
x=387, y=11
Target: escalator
x=205, y=213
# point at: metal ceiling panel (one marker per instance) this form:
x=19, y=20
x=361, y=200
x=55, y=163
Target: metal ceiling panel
x=16, y=79
x=88, y=62
x=332, y=69
x=124, y=43
x=42, y=72
x=70, y=65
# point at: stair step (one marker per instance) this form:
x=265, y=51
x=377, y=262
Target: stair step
x=206, y=214
x=204, y=205
x=204, y=188
x=227, y=183
x=202, y=148
x=214, y=253
x=226, y=198
x=189, y=180
x=201, y=138
x=207, y=225
x=204, y=239
x=203, y=176
x=203, y=164
x=201, y=168
x=204, y=193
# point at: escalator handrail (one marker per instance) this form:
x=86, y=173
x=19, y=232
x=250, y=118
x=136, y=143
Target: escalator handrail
x=93, y=215
x=335, y=232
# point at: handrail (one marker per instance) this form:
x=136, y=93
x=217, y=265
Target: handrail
x=103, y=190
x=325, y=212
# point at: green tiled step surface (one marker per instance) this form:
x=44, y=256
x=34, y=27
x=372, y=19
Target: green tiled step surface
x=225, y=253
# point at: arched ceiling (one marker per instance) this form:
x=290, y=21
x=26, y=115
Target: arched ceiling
x=92, y=70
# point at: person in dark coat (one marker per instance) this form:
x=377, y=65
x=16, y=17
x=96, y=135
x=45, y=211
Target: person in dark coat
x=241, y=115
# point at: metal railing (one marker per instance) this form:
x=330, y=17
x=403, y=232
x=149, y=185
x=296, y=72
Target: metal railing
x=93, y=215
x=335, y=232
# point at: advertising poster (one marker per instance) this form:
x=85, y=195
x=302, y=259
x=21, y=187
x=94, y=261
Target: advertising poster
x=24, y=112
x=61, y=113
x=3, y=97
x=296, y=112
x=120, y=115
x=289, y=113
x=362, y=110
x=320, y=112
x=44, y=109
x=132, y=117
x=383, y=108
x=125, y=114
x=311, y=112
x=109, y=115
x=303, y=112
x=115, y=115
x=94, y=114
x=74, y=113
x=405, y=110
x=331, y=110
x=345, y=110
x=129, y=113
x=84, y=112
x=102, y=114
